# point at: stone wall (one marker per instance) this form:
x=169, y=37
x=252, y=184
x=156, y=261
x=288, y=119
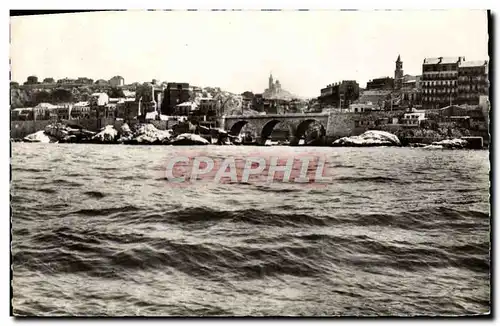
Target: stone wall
x=344, y=124
x=339, y=125
x=20, y=129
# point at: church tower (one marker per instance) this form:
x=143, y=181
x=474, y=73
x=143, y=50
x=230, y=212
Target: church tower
x=271, y=82
x=398, y=74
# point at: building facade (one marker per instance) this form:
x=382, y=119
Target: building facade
x=247, y=100
x=340, y=94
x=99, y=99
x=207, y=107
x=362, y=107
x=275, y=106
x=273, y=87
x=31, y=80
x=49, y=80
x=473, y=82
x=174, y=94
x=440, y=81
x=383, y=83
x=117, y=81
x=84, y=81
x=65, y=81
x=410, y=90
x=413, y=118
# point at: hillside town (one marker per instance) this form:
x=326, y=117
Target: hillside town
x=448, y=98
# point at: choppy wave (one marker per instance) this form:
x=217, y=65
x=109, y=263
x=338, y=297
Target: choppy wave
x=85, y=242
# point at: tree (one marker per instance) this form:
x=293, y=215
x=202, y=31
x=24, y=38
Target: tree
x=115, y=92
x=14, y=84
x=49, y=80
x=42, y=97
x=17, y=98
x=144, y=92
x=61, y=95
x=227, y=103
x=84, y=94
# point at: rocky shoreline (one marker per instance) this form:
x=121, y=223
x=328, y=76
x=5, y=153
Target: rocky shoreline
x=148, y=134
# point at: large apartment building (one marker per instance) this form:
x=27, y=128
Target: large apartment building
x=440, y=81
x=473, y=81
x=382, y=83
x=175, y=93
x=447, y=81
x=340, y=94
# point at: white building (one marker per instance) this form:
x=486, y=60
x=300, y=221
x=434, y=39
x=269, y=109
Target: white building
x=414, y=118
x=99, y=99
x=362, y=107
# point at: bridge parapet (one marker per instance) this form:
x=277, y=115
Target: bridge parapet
x=336, y=124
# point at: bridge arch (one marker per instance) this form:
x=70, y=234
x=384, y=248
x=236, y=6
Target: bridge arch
x=300, y=131
x=268, y=128
x=236, y=128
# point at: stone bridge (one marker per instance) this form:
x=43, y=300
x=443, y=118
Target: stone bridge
x=334, y=125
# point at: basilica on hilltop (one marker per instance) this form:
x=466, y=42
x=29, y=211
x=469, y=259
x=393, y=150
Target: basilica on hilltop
x=274, y=90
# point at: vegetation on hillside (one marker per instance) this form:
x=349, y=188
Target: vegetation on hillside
x=31, y=97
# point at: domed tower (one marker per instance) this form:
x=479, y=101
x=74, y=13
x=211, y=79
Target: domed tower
x=277, y=86
x=398, y=74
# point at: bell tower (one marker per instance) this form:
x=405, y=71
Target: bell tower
x=398, y=74
x=271, y=81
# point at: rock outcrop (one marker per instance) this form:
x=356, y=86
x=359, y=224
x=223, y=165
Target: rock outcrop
x=68, y=133
x=448, y=144
x=189, y=139
x=146, y=133
x=107, y=134
x=39, y=137
x=369, y=138
x=125, y=133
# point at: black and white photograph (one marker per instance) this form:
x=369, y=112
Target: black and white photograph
x=250, y=163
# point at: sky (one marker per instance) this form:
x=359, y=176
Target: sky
x=237, y=50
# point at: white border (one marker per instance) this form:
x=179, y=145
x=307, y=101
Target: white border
x=185, y=4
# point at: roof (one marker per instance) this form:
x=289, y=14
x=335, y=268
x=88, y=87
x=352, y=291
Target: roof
x=376, y=92
x=83, y=103
x=46, y=105
x=441, y=60
x=380, y=78
x=190, y=104
x=367, y=105
x=476, y=63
